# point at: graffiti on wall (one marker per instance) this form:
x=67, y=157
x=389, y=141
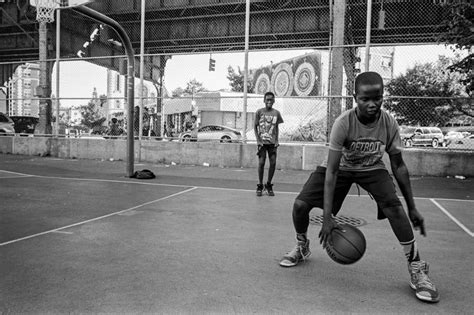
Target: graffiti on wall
x=299, y=76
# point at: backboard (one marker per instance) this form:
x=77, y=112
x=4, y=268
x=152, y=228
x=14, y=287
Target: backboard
x=45, y=8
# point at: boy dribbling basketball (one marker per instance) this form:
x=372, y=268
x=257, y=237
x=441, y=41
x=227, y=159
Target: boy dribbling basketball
x=358, y=140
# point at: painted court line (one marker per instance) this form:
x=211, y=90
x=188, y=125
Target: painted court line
x=96, y=219
x=449, y=215
x=14, y=175
x=218, y=188
x=62, y=232
x=200, y=187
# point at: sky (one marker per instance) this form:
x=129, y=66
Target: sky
x=78, y=78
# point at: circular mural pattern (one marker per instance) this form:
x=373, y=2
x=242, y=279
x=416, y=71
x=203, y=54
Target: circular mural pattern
x=305, y=77
x=262, y=85
x=282, y=80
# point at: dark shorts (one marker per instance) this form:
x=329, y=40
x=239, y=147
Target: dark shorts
x=377, y=183
x=270, y=148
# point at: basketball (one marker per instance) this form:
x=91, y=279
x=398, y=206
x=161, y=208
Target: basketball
x=347, y=246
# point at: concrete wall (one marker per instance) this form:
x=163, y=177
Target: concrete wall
x=420, y=162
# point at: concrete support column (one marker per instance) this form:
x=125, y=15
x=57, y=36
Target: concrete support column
x=337, y=57
x=44, y=88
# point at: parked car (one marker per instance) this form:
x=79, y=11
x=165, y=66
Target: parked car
x=454, y=137
x=25, y=124
x=7, y=126
x=214, y=132
x=426, y=136
x=467, y=142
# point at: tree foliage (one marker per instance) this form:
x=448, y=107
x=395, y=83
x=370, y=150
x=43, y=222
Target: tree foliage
x=431, y=95
x=192, y=87
x=236, y=80
x=458, y=29
x=90, y=114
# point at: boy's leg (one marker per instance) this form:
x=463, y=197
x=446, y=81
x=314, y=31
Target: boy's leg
x=261, y=167
x=311, y=196
x=301, y=251
x=272, y=157
x=380, y=185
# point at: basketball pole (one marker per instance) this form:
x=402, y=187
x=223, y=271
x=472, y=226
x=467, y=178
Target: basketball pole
x=367, y=35
x=127, y=44
x=142, y=64
x=246, y=69
x=58, y=56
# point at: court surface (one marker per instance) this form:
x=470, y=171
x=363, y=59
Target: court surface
x=76, y=236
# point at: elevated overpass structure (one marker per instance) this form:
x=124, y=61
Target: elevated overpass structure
x=197, y=26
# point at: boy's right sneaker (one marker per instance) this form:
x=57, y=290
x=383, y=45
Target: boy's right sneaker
x=259, y=190
x=299, y=253
x=269, y=189
x=425, y=290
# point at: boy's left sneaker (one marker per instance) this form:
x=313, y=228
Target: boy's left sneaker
x=269, y=189
x=425, y=290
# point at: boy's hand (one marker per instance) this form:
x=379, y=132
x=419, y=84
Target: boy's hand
x=325, y=233
x=417, y=221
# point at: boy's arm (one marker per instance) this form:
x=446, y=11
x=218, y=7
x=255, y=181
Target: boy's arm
x=255, y=129
x=334, y=157
x=400, y=171
x=277, y=131
x=277, y=134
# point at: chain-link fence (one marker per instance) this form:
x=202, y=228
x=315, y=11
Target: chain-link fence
x=306, y=52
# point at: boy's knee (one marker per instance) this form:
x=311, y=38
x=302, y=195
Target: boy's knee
x=301, y=207
x=394, y=212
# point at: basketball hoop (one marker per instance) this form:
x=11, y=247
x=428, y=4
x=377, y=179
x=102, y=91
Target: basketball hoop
x=45, y=10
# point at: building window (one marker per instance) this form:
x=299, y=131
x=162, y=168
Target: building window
x=117, y=83
x=386, y=62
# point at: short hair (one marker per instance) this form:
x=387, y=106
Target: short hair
x=368, y=78
x=268, y=93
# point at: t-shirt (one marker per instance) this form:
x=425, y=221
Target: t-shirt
x=363, y=147
x=266, y=121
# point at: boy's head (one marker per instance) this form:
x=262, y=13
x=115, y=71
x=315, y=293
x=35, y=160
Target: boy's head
x=269, y=99
x=368, y=78
x=368, y=95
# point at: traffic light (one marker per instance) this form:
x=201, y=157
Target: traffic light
x=212, y=64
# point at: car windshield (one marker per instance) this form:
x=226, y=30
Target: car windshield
x=407, y=130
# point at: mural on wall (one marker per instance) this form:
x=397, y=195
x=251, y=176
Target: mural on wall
x=299, y=76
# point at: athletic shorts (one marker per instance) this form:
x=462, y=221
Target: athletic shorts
x=377, y=183
x=270, y=148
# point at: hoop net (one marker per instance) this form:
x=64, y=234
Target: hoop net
x=45, y=10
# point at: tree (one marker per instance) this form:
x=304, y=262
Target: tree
x=179, y=91
x=237, y=80
x=418, y=86
x=458, y=29
x=91, y=116
x=192, y=87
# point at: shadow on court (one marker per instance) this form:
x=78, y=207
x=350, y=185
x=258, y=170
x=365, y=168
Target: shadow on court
x=77, y=236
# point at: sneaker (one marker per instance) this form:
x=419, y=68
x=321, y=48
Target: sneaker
x=269, y=189
x=259, y=190
x=425, y=290
x=299, y=253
